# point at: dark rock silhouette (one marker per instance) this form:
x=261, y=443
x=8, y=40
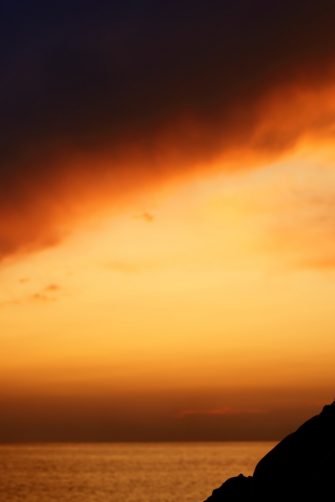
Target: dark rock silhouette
x=300, y=467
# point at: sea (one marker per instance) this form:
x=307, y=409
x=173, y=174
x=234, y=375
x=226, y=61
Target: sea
x=127, y=472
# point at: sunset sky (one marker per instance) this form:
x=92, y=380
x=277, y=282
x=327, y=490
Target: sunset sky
x=167, y=246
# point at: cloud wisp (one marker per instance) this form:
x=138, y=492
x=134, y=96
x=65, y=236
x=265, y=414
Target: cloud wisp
x=46, y=294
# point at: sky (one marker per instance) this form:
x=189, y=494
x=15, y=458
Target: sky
x=167, y=252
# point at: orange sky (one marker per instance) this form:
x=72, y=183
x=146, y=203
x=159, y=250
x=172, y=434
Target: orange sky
x=203, y=298
x=167, y=251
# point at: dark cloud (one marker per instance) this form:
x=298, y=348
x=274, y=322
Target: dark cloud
x=149, y=88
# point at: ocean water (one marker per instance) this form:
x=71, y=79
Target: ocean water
x=163, y=472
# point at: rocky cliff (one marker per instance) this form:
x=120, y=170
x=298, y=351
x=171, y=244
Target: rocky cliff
x=300, y=467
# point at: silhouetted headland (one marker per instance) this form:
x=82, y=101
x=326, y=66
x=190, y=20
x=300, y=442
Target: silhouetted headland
x=301, y=467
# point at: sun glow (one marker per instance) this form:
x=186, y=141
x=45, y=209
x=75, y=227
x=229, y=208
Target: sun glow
x=203, y=283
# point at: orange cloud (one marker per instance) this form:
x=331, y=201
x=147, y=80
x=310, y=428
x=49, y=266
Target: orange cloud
x=224, y=411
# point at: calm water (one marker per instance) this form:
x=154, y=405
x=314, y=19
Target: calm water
x=122, y=472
